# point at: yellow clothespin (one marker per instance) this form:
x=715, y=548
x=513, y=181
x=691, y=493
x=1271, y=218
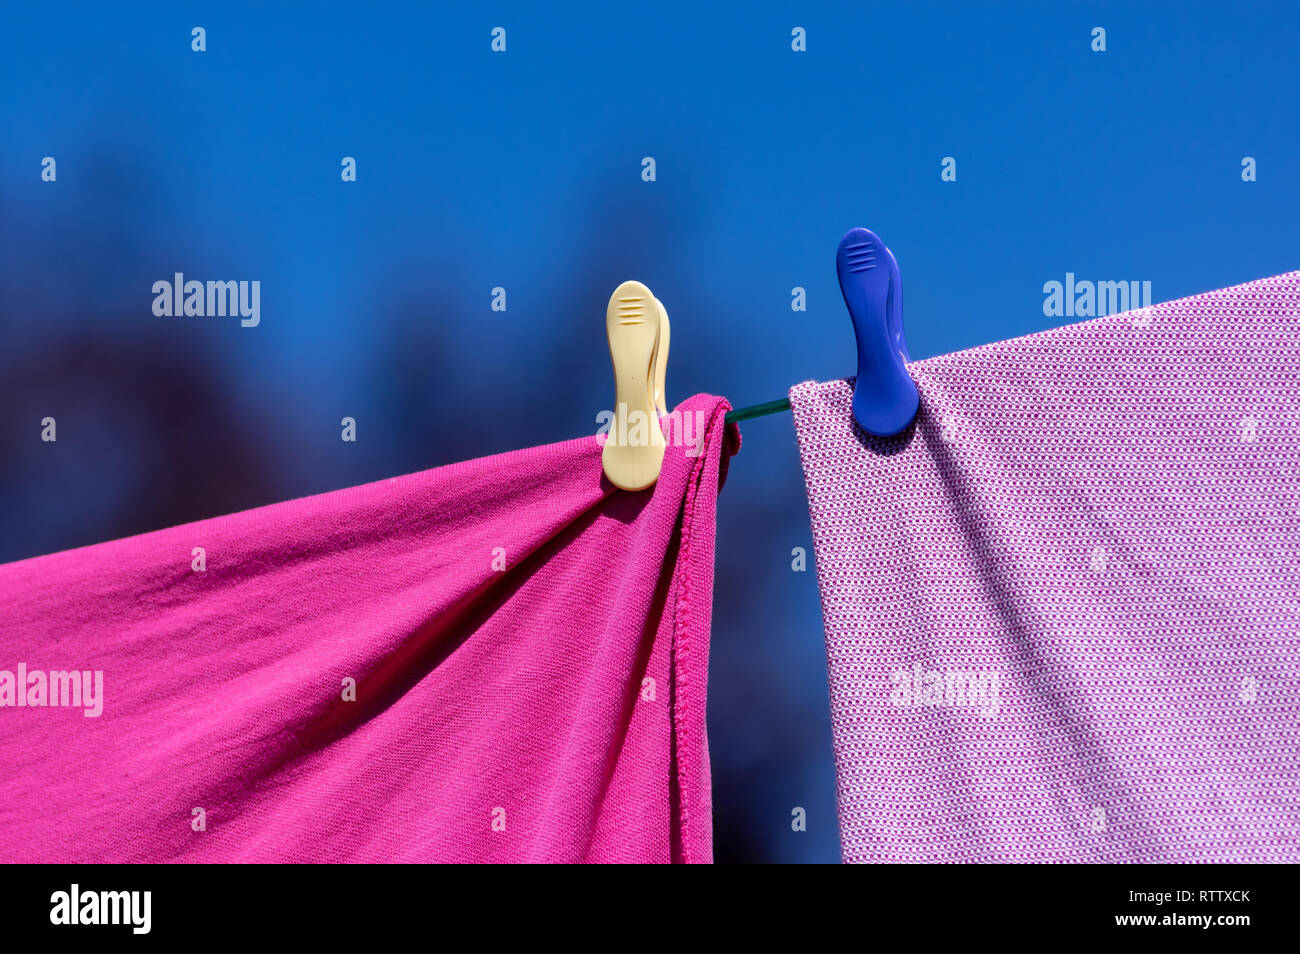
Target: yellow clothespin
x=637, y=325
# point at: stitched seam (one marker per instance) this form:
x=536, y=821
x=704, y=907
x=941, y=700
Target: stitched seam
x=681, y=626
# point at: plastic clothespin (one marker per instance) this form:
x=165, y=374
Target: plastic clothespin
x=637, y=325
x=884, y=398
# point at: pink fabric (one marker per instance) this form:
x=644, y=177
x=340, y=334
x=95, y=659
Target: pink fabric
x=1106, y=518
x=516, y=697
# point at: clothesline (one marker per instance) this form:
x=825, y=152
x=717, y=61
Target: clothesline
x=758, y=410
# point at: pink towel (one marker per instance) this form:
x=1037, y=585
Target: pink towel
x=526, y=646
x=1063, y=611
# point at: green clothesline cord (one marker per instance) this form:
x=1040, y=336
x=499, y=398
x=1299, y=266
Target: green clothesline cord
x=758, y=410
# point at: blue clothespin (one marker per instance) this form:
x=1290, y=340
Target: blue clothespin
x=884, y=397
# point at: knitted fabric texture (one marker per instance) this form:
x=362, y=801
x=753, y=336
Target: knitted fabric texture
x=529, y=648
x=1062, y=610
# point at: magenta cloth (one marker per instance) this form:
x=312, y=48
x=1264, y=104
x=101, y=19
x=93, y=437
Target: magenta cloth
x=1062, y=612
x=551, y=711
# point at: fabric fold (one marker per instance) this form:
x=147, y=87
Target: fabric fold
x=498, y=660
